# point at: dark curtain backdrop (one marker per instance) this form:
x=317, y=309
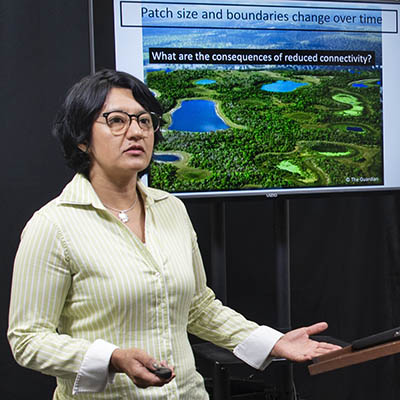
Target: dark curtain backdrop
x=344, y=249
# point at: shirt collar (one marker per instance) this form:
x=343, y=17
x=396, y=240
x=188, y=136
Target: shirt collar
x=80, y=192
x=151, y=195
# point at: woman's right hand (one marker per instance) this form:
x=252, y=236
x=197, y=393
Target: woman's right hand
x=136, y=363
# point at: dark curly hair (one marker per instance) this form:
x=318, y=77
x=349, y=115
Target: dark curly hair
x=82, y=105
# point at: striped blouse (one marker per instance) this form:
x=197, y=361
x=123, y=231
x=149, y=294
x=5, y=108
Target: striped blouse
x=81, y=275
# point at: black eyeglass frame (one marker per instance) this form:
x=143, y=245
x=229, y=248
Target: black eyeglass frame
x=153, y=115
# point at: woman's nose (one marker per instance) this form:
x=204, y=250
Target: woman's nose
x=135, y=130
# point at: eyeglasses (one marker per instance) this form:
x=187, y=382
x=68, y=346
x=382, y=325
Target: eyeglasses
x=120, y=121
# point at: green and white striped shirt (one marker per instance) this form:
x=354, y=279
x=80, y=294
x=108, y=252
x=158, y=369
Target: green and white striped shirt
x=81, y=275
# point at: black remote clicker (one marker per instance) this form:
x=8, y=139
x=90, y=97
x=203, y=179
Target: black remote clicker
x=162, y=372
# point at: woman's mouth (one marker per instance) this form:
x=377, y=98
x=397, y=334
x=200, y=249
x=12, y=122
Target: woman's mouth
x=134, y=150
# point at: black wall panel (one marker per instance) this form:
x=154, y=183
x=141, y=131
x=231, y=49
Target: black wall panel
x=44, y=47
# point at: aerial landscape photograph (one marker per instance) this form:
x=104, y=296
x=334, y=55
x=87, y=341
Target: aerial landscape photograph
x=258, y=126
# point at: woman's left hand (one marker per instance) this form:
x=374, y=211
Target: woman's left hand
x=296, y=345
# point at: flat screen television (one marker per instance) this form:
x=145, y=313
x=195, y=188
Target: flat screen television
x=267, y=97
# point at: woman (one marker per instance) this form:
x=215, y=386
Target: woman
x=108, y=278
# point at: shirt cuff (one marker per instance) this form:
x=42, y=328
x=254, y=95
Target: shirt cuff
x=256, y=348
x=93, y=374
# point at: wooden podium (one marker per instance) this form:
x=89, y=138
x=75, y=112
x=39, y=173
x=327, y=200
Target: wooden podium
x=347, y=356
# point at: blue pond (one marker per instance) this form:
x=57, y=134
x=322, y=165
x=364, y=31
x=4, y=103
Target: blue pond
x=167, y=70
x=361, y=85
x=197, y=116
x=354, y=128
x=166, y=157
x=282, y=86
x=205, y=82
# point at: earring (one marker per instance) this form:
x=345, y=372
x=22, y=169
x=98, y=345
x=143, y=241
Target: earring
x=83, y=147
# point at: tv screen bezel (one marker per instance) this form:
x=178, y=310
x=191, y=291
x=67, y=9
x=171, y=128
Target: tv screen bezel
x=102, y=43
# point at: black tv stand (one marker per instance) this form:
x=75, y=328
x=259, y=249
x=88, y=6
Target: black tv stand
x=218, y=281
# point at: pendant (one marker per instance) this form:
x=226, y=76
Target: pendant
x=123, y=217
